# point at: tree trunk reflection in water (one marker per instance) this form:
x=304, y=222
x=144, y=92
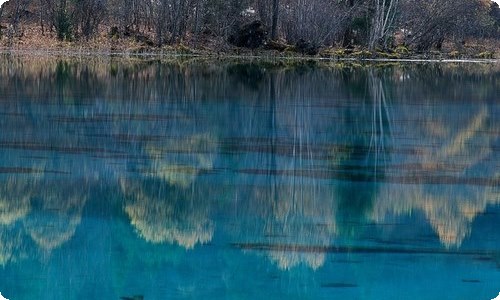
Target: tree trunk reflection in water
x=380, y=118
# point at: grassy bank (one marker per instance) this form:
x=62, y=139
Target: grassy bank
x=33, y=41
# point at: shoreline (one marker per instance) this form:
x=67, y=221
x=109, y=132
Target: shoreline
x=260, y=56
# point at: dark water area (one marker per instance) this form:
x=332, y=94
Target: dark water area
x=241, y=179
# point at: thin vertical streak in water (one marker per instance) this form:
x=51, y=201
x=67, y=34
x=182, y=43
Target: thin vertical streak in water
x=373, y=142
x=386, y=108
x=374, y=122
x=274, y=180
x=381, y=123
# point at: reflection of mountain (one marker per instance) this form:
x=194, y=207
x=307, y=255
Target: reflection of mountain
x=167, y=214
x=300, y=142
x=11, y=245
x=165, y=207
x=294, y=204
x=294, y=217
x=39, y=213
x=14, y=202
x=447, y=153
x=300, y=215
x=56, y=218
x=181, y=161
x=14, y=206
x=450, y=210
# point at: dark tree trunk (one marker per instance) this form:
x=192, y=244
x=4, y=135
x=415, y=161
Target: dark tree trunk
x=274, y=27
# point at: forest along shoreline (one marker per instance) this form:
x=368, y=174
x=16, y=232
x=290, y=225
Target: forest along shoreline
x=323, y=29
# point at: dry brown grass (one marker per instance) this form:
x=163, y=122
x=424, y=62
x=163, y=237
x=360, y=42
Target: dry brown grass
x=30, y=38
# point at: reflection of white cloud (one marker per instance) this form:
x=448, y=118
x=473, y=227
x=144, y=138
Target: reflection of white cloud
x=163, y=219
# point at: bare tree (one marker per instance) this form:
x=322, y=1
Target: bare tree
x=429, y=22
x=372, y=23
x=382, y=24
x=320, y=22
x=88, y=16
x=20, y=8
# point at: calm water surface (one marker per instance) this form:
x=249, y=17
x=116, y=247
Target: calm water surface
x=196, y=179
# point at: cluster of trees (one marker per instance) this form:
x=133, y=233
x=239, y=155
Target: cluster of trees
x=420, y=24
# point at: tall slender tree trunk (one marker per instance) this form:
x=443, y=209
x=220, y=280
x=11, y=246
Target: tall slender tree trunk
x=274, y=27
x=382, y=22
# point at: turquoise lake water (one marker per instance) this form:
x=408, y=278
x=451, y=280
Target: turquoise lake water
x=240, y=179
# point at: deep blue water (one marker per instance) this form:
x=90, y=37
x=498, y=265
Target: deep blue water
x=196, y=179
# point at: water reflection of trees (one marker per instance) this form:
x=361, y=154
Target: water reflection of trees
x=290, y=131
x=293, y=202
x=42, y=78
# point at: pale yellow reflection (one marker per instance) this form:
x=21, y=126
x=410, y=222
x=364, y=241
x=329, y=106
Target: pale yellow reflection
x=64, y=215
x=14, y=206
x=171, y=216
x=14, y=202
x=450, y=210
x=48, y=226
x=464, y=148
x=11, y=246
x=287, y=260
x=297, y=218
x=180, y=162
x=452, y=151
